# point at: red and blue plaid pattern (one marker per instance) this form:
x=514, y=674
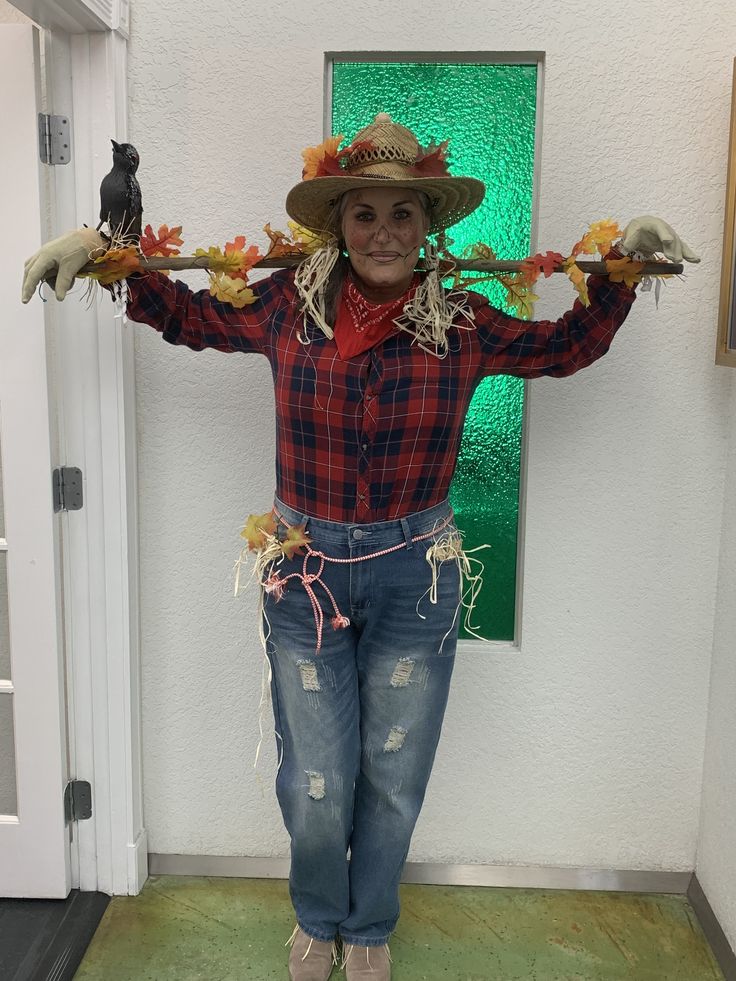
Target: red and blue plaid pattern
x=376, y=437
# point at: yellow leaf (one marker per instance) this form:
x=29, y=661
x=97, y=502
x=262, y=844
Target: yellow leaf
x=306, y=239
x=603, y=234
x=231, y=290
x=295, y=540
x=257, y=527
x=577, y=278
x=479, y=251
x=624, y=270
x=217, y=262
x=518, y=293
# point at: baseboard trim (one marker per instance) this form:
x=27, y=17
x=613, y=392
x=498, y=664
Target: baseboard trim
x=431, y=873
x=712, y=929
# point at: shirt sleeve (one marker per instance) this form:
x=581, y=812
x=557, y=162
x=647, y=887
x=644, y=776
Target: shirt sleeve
x=200, y=321
x=531, y=348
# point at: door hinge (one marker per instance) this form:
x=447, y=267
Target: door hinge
x=77, y=801
x=54, y=141
x=67, y=489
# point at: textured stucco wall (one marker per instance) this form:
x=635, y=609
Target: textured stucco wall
x=10, y=15
x=716, y=859
x=586, y=748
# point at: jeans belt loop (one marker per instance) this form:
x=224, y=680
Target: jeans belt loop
x=407, y=533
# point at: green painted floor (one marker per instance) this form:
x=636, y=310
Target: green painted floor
x=182, y=928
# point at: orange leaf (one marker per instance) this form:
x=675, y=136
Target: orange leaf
x=116, y=264
x=296, y=539
x=624, y=270
x=246, y=258
x=257, y=527
x=314, y=155
x=162, y=243
x=281, y=244
x=586, y=246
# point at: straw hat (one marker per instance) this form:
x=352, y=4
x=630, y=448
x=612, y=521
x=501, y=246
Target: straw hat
x=384, y=151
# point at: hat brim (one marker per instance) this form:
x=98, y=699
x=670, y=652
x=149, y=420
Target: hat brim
x=311, y=202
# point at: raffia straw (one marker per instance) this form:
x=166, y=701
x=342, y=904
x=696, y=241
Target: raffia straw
x=311, y=280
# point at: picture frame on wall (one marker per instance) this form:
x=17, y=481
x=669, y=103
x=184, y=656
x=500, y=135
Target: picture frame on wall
x=726, y=344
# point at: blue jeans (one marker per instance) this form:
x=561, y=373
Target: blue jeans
x=358, y=721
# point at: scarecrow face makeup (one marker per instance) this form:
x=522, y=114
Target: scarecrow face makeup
x=383, y=228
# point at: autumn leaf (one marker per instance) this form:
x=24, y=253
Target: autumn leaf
x=432, y=161
x=624, y=270
x=307, y=240
x=546, y=263
x=518, y=294
x=586, y=246
x=603, y=234
x=219, y=262
x=160, y=244
x=232, y=290
x=116, y=264
x=577, y=278
x=257, y=527
x=314, y=156
x=479, y=251
x=296, y=538
x=281, y=244
x=246, y=258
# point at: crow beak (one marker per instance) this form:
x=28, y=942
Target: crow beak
x=115, y=146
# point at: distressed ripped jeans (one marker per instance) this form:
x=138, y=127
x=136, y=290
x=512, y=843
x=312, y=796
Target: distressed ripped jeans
x=358, y=722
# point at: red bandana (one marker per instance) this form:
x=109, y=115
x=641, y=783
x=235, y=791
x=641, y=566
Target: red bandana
x=361, y=324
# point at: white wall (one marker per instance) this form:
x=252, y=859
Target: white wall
x=716, y=859
x=586, y=748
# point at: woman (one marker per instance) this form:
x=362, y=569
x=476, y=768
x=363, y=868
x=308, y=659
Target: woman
x=374, y=368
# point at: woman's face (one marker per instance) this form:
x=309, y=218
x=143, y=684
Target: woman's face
x=383, y=228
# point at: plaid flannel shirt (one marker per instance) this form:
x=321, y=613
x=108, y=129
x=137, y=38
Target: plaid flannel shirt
x=376, y=437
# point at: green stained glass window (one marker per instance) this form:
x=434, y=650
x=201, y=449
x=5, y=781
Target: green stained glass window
x=488, y=113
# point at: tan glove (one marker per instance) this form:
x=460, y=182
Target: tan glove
x=649, y=234
x=62, y=258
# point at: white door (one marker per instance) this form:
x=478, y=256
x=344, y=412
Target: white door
x=34, y=841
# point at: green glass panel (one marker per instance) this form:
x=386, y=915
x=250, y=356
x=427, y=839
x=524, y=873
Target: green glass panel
x=488, y=114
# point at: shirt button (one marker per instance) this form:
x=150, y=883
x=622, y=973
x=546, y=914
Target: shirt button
x=365, y=446
x=357, y=533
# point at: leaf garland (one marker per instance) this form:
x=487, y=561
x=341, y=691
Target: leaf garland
x=228, y=268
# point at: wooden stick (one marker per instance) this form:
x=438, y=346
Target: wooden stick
x=178, y=262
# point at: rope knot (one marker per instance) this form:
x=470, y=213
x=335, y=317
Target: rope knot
x=340, y=622
x=274, y=584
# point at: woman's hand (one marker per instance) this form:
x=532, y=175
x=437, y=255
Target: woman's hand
x=61, y=258
x=649, y=234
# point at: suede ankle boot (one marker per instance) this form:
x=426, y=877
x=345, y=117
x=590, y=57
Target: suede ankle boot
x=310, y=959
x=366, y=963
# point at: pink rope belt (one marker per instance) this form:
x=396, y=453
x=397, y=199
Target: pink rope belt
x=276, y=584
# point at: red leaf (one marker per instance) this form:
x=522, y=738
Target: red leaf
x=545, y=262
x=162, y=243
x=433, y=162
